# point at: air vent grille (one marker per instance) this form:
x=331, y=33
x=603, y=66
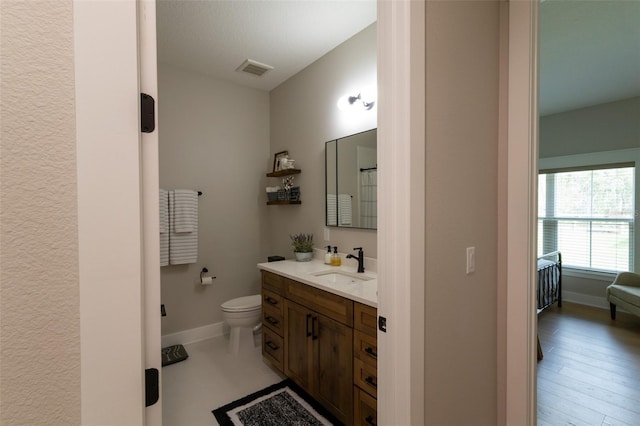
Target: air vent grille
x=253, y=67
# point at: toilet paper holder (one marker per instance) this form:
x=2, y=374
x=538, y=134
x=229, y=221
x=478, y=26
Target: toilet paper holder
x=205, y=280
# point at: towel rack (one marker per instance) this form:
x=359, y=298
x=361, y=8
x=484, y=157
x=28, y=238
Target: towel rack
x=199, y=193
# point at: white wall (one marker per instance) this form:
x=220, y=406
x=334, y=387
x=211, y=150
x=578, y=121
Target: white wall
x=40, y=327
x=214, y=137
x=304, y=116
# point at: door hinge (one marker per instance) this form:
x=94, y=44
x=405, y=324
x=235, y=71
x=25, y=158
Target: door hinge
x=151, y=386
x=147, y=113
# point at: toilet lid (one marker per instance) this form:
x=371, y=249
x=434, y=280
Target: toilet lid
x=245, y=303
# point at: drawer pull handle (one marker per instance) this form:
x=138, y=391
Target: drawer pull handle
x=370, y=421
x=371, y=352
x=371, y=381
x=271, y=320
x=271, y=301
x=272, y=346
x=314, y=328
x=308, y=318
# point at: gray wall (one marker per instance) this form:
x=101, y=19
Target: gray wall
x=604, y=127
x=304, y=116
x=40, y=327
x=214, y=137
x=462, y=112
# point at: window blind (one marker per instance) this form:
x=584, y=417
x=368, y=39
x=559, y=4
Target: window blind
x=589, y=216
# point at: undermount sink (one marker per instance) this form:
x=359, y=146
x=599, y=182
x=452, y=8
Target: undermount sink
x=341, y=277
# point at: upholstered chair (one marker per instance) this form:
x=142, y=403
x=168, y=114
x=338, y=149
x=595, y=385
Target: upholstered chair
x=625, y=292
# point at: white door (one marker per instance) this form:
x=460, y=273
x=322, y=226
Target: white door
x=116, y=173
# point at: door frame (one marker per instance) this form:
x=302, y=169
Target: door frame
x=521, y=171
x=401, y=48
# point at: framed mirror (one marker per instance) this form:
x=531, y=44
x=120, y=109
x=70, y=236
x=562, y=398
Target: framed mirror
x=351, y=177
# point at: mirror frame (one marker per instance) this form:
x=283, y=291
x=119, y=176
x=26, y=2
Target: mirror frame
x=335, y=172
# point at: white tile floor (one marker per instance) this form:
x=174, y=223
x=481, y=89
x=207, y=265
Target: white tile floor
x=208, y=379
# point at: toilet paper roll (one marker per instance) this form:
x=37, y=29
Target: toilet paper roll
x=206, y=280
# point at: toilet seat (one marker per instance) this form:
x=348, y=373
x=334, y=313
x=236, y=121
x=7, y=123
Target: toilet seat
x=243, y=304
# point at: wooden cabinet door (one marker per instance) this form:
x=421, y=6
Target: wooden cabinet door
x=333, y=366
x=298, y=344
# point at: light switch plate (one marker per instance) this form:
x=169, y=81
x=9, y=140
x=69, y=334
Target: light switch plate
x=471, y=260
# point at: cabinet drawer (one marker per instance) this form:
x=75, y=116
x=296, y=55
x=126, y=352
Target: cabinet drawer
x=365, y=319
x=272, y=300
x=365, y=348
x=365, y=408
x=273, y=319
x=335, y=307
x=273, y=348
x=365, y=377
x=272, y=282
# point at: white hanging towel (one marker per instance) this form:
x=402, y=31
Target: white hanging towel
x=183, y=210
x=164, y=227
x=332, y=210
x=345, y=209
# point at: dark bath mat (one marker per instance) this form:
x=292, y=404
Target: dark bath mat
x=173, y=354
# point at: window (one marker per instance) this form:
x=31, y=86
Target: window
x=588, y=215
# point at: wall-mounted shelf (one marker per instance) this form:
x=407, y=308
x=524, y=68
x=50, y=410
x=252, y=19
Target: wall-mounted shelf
x=281, y=173
x=285, y=172
x=282, y=203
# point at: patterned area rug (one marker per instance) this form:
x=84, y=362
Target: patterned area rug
x=173, y=354
x=278, y=405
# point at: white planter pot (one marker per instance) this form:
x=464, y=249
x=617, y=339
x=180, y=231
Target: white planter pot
x=303, y=257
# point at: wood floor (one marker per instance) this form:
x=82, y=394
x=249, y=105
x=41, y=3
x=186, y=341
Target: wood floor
x=590, y=373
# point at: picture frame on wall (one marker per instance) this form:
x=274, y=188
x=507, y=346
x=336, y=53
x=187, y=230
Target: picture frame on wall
x=276, y=160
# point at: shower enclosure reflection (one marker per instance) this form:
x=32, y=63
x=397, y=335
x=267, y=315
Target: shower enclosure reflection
x=351, y=175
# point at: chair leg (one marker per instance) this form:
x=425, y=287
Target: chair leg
x=612, y=307
x=540, y=355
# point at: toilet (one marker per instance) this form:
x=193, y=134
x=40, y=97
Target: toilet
x=242, y=315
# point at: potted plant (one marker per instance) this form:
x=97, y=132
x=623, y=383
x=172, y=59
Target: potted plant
x=302, y=246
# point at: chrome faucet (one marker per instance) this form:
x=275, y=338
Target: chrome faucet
x=360, y=258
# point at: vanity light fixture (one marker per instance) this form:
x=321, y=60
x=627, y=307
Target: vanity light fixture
x=348, y=101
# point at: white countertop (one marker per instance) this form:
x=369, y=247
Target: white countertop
x=365, y=292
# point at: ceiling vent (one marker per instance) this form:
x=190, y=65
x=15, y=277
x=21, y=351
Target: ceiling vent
x=253, y=67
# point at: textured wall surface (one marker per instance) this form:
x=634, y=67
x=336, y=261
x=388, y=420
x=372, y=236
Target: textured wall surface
x=39, y=304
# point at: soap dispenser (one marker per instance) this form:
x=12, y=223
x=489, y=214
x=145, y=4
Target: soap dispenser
x=327, y=256
x=335, y=258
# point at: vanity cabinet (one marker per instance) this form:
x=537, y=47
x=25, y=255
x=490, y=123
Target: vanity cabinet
x=273, y=319
x=325, y=343
x=365, y=365
x=318, y=356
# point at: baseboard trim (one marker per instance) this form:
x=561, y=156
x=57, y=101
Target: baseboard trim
x=585, y=299
x=193, y=335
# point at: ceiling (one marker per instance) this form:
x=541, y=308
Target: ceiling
x=589, y=50
x=589, y=53
x=214, y=37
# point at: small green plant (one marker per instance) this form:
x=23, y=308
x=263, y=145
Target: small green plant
x=302, y=243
